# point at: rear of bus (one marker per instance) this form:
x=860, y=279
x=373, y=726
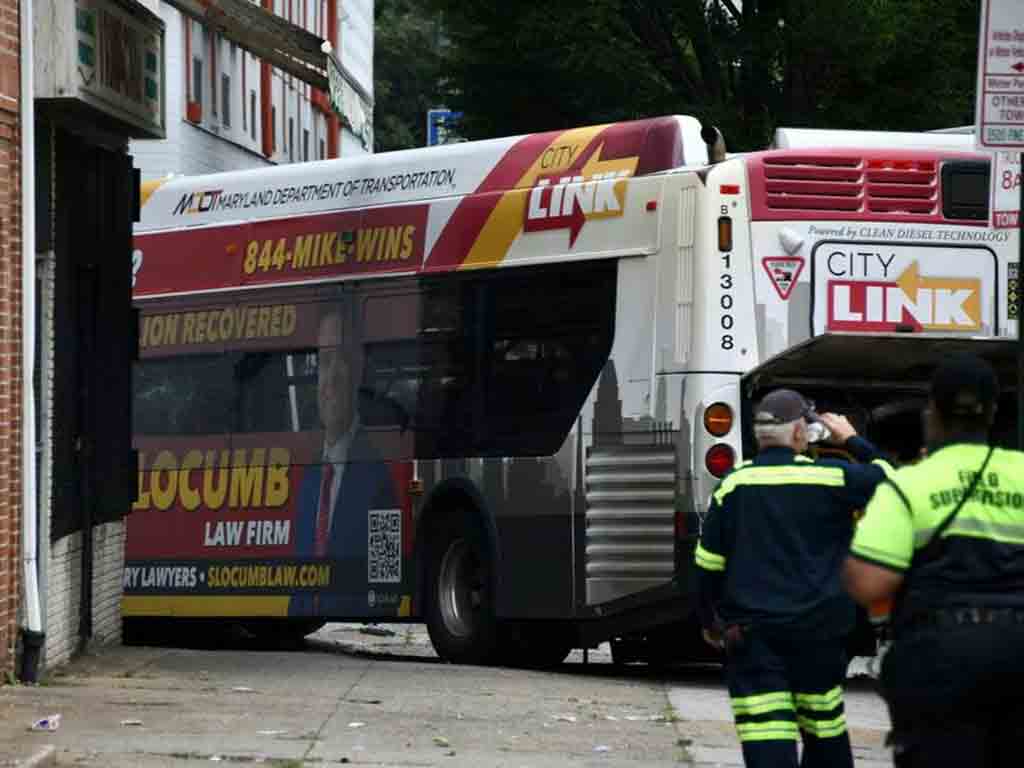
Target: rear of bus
x=844, y=273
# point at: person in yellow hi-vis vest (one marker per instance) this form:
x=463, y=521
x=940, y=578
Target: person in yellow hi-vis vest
x=945, y=538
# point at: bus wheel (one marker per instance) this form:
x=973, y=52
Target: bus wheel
x=460, y=592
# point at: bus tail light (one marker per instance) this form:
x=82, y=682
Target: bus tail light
x=718, y=419
x=724, y=233
x=719, y=459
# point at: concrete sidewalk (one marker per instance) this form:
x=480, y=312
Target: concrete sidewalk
x=378, y=696
x=369, y=700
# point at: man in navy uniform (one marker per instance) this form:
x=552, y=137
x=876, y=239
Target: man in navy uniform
x=769, y=561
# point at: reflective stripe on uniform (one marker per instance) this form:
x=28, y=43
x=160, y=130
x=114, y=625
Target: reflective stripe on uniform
x=821, y=714
x=791, y=474
x=708, y=560
x=885, y=466
x=823, y=729
x=819, y=702
x=770, y=730
x=760, y=703
x=880, y=556
x=968, y=525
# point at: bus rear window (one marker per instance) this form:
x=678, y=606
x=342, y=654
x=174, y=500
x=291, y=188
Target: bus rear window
x=965, y=190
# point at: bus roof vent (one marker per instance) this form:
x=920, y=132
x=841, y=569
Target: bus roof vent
x=902, y=186
x=850, y=183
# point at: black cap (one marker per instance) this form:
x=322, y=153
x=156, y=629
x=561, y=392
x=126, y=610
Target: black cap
x=964, y=386
x=783, y=406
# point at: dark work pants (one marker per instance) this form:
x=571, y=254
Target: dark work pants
x=956, y=696
x=785, y=687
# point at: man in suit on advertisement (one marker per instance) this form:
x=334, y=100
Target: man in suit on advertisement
x=349, y=480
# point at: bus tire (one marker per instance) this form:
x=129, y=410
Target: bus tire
x=460, y=591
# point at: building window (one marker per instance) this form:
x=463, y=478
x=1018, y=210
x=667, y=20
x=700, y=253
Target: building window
x=225, y=95
x=305, y=145
x=214, y=48
x=197, y=80
x=252, y=112
x=273, y=130
x=323, y=149
x=291, y=139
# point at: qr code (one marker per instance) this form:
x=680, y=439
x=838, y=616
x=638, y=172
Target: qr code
x=385, y=546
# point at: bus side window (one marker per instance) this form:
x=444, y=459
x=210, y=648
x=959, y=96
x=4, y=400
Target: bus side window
x=191, y=395
x=550, y=336
x=276, y=391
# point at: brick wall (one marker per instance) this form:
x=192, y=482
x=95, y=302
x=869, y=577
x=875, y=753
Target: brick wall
x=10, y=327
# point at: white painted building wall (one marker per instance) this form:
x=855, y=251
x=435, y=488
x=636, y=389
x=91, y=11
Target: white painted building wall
x=229, y=135
x=64, y=592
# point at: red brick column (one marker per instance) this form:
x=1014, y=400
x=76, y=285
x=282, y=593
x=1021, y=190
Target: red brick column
x=10, y=332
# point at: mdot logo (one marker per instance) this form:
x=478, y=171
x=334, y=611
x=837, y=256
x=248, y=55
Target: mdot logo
x=197, y=202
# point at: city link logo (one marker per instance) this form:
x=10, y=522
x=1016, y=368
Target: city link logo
x=915, y=300
x=569, y=200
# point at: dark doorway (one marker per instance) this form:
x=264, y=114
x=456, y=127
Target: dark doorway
x=95, y=341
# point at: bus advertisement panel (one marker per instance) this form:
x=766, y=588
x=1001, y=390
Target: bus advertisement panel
x=259, y=489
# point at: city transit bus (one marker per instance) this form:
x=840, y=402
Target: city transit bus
x=490, y=386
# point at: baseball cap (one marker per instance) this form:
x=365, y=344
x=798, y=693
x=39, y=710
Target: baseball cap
x=964, y=386
x=783, y=406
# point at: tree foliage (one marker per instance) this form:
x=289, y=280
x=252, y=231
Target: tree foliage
x=518, y=66
x=407, y=72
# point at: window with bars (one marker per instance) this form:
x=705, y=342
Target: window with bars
x=197, y=80
x=225, y=96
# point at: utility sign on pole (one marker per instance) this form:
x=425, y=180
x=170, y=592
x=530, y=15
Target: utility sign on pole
x=442, y=127
x=1000, y=106
x=999, y=128
x=1005, y=196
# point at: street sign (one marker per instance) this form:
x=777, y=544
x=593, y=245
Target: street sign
x=999, y=115
x=999, y=125
x=1005, y=197
x=441, y=127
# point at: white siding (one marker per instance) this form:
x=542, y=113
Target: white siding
x=62, y=599
x=212, y=145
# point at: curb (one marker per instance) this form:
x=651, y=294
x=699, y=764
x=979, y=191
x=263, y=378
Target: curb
x=43, y=757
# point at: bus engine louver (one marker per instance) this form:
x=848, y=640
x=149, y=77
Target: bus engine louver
x=851, y=184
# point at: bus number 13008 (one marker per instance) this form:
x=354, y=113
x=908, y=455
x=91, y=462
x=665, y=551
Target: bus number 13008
x=725, y=300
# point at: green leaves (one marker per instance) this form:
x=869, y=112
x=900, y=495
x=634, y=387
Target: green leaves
x=518, y=66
